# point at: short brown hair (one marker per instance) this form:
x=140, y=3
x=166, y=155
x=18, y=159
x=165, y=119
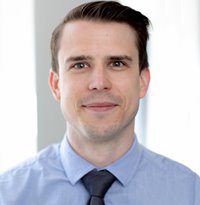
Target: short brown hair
x=106, y=11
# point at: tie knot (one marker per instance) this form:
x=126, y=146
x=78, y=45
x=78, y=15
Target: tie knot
x=98, y=182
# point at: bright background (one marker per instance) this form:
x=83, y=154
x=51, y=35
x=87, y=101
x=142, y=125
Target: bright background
x=18, y=108
x=168, y=120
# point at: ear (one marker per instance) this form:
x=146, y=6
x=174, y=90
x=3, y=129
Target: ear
x=144, y=81
x=54, y=84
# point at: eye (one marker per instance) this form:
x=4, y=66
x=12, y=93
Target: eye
x=117, y=65
x=80, y=66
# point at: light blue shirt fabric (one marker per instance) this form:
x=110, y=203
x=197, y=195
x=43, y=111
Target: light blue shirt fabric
x=143, y=178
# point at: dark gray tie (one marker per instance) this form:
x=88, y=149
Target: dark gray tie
x=97, y=183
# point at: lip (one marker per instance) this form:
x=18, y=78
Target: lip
x=100, y=106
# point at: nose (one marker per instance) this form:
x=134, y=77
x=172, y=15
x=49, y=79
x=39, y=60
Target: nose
x=99, y=80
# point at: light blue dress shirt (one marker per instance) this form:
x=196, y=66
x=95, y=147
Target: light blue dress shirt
x=143, y=178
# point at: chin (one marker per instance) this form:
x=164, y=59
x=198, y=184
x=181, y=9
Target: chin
x=101, y=134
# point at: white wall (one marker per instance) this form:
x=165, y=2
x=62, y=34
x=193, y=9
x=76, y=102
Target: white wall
x=18, y=109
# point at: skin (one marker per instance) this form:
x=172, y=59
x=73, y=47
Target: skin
x=99, y=87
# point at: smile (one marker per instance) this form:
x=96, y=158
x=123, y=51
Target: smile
x=100, y=106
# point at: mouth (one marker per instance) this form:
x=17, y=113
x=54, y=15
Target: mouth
x=100, y=106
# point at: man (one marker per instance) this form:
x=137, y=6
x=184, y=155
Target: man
x=99, y=74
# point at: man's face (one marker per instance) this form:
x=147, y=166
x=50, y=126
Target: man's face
x=99, y=84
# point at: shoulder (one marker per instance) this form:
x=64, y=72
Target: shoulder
x=167, y=178
x=45, y=159
x=169, y=168
x=33, y=179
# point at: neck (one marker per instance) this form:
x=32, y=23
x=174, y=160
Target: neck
x=101, y=153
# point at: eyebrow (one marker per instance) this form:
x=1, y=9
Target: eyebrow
x=78, y=58
x=120, y=57
x=111, y=57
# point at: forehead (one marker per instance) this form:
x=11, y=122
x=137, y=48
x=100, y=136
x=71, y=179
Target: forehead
x=96, y=35
x=97, y=28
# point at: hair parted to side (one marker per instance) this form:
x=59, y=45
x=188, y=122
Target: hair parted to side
x=106, y=11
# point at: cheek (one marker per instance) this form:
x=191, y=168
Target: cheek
x=70, y=95
x=66, y=96
x=130, y=89
x=132, y=99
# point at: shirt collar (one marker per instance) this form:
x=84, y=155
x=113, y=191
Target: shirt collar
x=126, y=167
x=123, y=169
x=74, y=165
